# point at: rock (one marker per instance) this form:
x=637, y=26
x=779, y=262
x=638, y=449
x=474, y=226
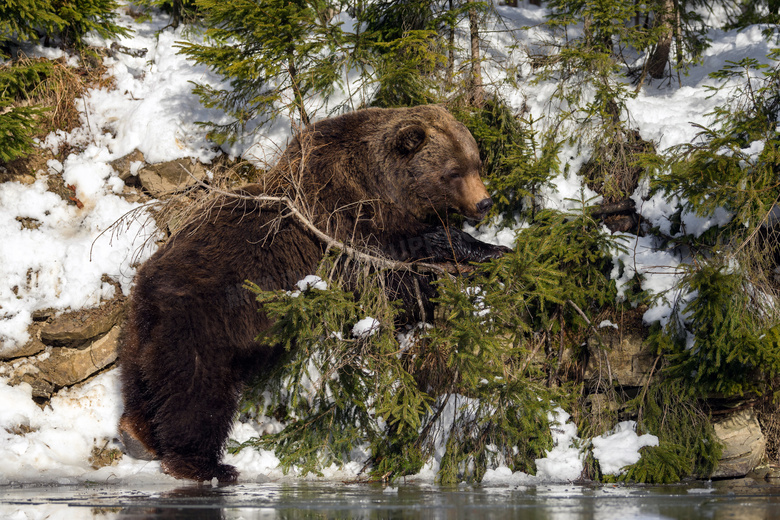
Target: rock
x=127, y=166
x=743, y=444
x=41, y=388
x=767, y=471
x=25, y=370
x=67, y=366
x=167, y=178
x=630, y=361
x=43, y=314
x=601, y=403
x=30, y=348
x=79, y=326
x=134, y=195
x=773, y=474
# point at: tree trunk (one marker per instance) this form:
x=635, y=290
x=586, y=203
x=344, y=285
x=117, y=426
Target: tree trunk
x=451, y=55
x=656, y=63
x=476, y=91
x=297, y=91
x=176, y=8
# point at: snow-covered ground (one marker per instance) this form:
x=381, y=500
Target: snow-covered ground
x=61, y=264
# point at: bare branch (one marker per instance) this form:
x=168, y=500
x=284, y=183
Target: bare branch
x=332, y=243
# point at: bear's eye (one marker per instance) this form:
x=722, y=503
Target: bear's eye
x=450, y=175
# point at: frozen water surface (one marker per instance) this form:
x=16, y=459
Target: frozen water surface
x=741, y=499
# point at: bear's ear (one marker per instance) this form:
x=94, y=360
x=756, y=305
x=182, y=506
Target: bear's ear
x=410, y=139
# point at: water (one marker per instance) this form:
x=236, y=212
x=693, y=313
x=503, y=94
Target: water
x=741, y=499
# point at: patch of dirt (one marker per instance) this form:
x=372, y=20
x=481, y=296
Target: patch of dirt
x=26, y=169
x=104, y=456
x=20, y=429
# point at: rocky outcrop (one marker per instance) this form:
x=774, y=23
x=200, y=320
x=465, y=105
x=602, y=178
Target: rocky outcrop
x=620, y=354
x=65, y=349
x=30, y=348
x=160, y=180
x=165, y=179
x=78, y=327
x=743, y=443
x=621, y=357
x=68, y=366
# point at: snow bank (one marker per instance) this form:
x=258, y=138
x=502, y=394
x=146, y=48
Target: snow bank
x=620, y=447
x=54, y=255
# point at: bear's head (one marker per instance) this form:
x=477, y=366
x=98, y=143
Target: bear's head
x=440, y=161
x=384, y=168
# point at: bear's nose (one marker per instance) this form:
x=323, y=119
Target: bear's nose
x=484, y=205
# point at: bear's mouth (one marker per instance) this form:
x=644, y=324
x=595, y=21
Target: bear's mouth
x=478, y=215
x=458, y=217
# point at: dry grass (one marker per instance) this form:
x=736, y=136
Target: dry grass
x=769, y=418
x=614, y=170
x=197, y=200
x=62, y=89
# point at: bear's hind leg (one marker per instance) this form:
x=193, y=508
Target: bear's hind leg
x=192, y=428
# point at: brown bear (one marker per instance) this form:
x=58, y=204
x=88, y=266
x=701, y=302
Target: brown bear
x=382, y=180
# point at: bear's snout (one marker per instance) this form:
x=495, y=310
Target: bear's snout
x=484, y=206
x=473, y=199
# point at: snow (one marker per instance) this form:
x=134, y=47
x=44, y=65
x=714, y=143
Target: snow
x=309, y=282
x=61, y=261
x=620, y=447
x=59, y=264
x=564, y=461
x=365, y=328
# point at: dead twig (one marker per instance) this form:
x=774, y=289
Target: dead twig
x=329, y=241
x=598, y=337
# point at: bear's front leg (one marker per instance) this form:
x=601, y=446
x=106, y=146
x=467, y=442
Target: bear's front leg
x=449, y=245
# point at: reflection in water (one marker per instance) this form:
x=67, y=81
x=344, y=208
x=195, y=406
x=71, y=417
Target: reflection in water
x=278, y=501
x=171, y=513
x=195, y=502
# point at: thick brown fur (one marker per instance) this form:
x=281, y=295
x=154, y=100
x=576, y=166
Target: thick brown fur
x=380, y=179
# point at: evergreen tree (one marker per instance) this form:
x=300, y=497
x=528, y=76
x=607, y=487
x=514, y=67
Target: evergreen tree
x=25, y=20
x=275, y=55
x=687, y=443
x=20, y=20
x=33, y=20
x=751, y=12
x=407, y=51
x=80, y=17
x=722, y=344
x=725, y=339
x=473, y=371
x=65, y=20
x=591, y=95
x=181, y=11
x=676, y=24
x=733, y=164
